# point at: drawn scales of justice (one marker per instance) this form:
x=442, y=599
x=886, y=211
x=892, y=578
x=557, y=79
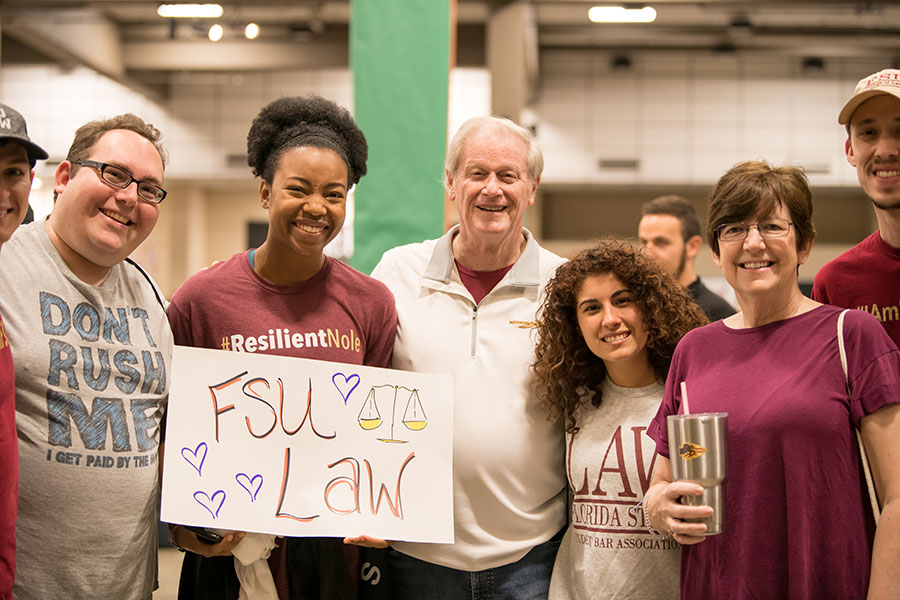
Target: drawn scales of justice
x=413, y=415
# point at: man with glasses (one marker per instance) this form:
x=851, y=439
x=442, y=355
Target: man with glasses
x=866, y=276
x=18, y=156
x=92, y=350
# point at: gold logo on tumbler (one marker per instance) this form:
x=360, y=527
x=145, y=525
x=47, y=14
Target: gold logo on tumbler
x=690, y=451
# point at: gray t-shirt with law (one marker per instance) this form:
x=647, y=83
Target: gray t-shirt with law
x=607, y=552
x=92, y=378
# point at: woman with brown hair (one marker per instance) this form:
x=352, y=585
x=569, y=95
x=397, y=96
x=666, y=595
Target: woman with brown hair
x=608, y=328
x=797, y=519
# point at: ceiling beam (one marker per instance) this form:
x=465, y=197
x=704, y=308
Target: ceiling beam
x=237, y=55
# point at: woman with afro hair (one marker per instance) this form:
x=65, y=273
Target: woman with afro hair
x=609, y=324
x=308, y=153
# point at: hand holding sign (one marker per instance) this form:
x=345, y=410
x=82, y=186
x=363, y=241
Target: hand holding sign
x=289, y=446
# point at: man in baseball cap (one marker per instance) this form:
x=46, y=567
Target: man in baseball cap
x=866, y=276
x=17, y=159
x=18, y=155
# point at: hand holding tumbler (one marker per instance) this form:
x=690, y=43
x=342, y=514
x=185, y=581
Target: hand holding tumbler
x=698, y=453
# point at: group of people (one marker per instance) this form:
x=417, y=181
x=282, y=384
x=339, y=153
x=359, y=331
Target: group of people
x=581, y=360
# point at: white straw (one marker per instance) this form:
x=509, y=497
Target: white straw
x=684, y=400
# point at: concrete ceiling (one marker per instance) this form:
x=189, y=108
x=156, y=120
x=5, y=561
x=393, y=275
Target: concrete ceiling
x=126, y=40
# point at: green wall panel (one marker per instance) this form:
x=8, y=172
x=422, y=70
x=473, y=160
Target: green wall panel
x=400, y=58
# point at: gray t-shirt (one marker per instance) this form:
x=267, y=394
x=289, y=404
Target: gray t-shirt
x=607, y=552
x=92, y=378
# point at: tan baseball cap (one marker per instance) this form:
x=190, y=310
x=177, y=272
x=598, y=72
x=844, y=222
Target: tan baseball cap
x=886, y=81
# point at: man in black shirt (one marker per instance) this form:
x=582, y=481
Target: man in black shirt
x=670, y=230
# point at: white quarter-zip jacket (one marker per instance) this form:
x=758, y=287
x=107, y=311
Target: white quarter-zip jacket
x=508, y=459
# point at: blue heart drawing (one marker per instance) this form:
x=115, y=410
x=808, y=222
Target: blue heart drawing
x=195, y=457
x=341, y=386
x=251, y=484
x=209, y=502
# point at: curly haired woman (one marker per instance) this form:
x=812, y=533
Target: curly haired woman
x=608, y=328
x=308, y=153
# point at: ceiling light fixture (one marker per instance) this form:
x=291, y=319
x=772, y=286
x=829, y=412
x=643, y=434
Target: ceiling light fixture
x=216, y=32
x=251, y=31
x=190, y=11
x=620, y=14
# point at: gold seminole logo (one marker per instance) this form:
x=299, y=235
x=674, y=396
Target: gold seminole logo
x=690, y=450
x=524, y=324
x=4, y=339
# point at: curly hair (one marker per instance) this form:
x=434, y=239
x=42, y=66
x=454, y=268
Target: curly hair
x=569, y=374
x=312, y=121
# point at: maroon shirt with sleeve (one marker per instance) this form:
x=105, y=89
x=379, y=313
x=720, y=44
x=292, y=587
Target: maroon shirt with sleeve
x=866, y=278
x=797, y=521
x=339, y=315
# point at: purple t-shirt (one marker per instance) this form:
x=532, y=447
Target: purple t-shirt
x=797, y=517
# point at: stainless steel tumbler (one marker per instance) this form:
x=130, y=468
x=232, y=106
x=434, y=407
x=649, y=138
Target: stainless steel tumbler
x=698, y=453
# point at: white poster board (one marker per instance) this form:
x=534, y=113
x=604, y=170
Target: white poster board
x=299, y=447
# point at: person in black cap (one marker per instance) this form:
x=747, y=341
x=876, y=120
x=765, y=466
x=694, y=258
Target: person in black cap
x=18, y=155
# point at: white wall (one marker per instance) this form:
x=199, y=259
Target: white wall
x=688, y=117
x=685, y=117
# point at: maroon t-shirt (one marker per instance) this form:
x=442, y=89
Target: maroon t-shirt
x=9, y=467
x=797, y=520
x=866, y=278
x=480, y=283
x=339, y=315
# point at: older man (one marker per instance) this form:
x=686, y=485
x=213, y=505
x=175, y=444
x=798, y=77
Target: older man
x=92, y=348
x=670, y=230
x=466, y=304
x=866, y=276
x=18, y=155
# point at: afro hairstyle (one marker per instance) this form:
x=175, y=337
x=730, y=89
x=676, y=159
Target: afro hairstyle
x=305, y=121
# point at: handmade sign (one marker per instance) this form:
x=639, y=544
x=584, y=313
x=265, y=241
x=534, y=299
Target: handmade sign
x=299, y=447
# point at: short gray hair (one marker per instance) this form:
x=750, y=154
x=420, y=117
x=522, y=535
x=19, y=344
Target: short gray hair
x=473, y=125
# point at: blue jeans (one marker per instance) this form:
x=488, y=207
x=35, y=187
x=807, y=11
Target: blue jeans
x=526, y=579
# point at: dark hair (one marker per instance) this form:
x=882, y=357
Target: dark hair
x=754, y=187
x=569, y=374
x=678, y=207
x=312, y=121
x=4, y=142
x=87, y=135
